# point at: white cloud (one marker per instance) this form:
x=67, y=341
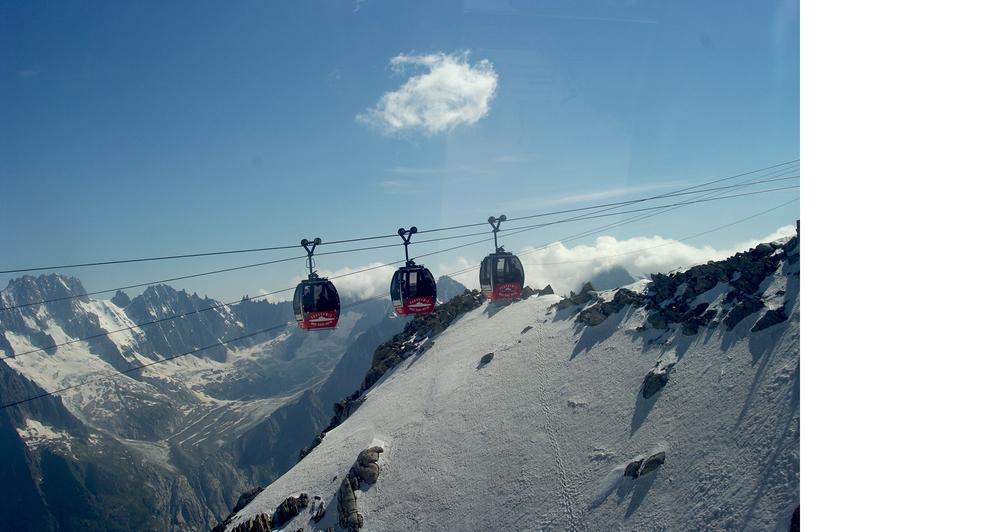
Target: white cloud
x=370, y=281
x=567, y=268
x=452, y=92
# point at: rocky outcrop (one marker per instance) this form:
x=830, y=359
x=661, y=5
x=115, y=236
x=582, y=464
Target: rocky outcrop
x=597, y=313
x=656, y=379
x=586, y=295
x=529, y=291
x=289, y=508
x=365, y=470
x=653, y=462
x=770, y=319
x=632, y=469
x=257, y=523
x=121, y=299
x=644, y=466
x=670, y=297
x=487, y=358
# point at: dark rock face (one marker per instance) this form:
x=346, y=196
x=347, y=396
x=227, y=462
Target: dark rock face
x=289, y=508
x=741, y=311
x=596, y=314
x=656, y=379
x=258, y=523
x=671, y=296
x=794, y=525
x=485, y=360
x=586, y=295
x=365, y=470
x=645, y=465
x=121, y=299
x=769, y=319
x=632, y=469
x=653, y=462
x=528, y=291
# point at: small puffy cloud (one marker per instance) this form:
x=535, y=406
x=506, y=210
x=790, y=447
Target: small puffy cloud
x=567, y=268
x=450, y=93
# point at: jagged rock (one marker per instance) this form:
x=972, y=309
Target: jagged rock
x=121, y=299
x=289, y=508
x=526, y=329
x=366, y=468
x=320, y=512
x=591, y=316
x=257, y=523
x=741, y=310
x=347, y=507
x=632, y=469
x=653, y=462
x=528, y=291
x=769, y=319
x=656, y=379
x=485, y=360
x=599, y=312
x=586, y=295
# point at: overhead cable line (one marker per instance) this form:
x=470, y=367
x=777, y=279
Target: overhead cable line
x=343, y=241
x=682, y=192
x=670, y=242
x=516, y=230
x=111, y=375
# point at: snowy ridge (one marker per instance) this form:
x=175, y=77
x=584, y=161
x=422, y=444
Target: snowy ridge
x=562, y=427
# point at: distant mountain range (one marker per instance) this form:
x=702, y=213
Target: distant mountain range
x=172, y=445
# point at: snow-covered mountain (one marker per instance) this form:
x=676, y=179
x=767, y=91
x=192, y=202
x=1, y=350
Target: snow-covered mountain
x=613, y=277
x=670, y=404
x=193, y=432
x=448, y=288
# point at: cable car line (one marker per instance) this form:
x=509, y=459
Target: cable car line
x=213, y=272
x=385, y=265
x=516, y=230
x=711, y=195
x=632, y=202
x=349, y=240
x=647, y=209
x=672, y=241
x=280, y=326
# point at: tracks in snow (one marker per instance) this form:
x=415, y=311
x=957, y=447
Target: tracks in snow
x=569, y=494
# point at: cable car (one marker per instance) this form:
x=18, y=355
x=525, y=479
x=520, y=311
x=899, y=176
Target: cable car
x=412, y=290
x=501, y=275
x=316, y=302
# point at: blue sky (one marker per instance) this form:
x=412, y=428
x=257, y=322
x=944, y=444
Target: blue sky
x=146, y=128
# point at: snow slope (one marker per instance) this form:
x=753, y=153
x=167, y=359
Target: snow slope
x=539, y=438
